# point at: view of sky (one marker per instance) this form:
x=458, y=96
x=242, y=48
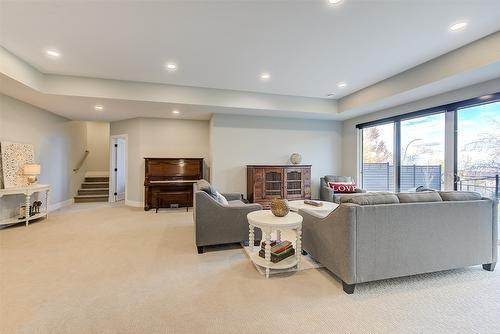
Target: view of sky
x=474, y=124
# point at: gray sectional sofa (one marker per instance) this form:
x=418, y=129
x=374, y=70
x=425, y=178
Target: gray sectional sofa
x=217, y=223
x=383, y=235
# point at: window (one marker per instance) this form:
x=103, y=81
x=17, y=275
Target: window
x=478, y=148
x=378, y=167
x=464, y=137
x=422, y=152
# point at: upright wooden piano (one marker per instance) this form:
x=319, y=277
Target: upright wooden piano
x=168, y=182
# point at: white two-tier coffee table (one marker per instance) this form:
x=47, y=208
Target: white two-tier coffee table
x=268, y=223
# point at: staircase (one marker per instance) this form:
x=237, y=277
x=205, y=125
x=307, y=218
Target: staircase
x=94, y=189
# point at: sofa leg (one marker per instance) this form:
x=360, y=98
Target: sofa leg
x=256, y=242
x=200, y=249
x=489, y=266
x=348, y=288
x=303, y=252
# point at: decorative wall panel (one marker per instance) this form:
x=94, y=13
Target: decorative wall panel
x=13, y=156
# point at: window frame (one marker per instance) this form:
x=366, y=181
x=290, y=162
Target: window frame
x=396, y=120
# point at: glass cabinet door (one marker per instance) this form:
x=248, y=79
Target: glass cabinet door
x=294, y=183
x=273, y=180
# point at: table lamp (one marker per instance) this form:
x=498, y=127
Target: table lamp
x=31, y=171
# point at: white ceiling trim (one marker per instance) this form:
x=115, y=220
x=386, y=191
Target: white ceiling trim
x=13, y=67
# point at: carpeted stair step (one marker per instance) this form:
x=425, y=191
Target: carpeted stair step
x=95, y=185
x=93, y=191
x=91, y=198
x=96, y=179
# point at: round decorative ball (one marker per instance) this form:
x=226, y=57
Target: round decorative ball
x=295, y=158
x=279, y=207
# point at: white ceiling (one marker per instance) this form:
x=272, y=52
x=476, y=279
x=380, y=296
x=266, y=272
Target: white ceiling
x=307, y=46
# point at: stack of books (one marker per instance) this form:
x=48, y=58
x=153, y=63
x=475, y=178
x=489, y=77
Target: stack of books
x=279, y=250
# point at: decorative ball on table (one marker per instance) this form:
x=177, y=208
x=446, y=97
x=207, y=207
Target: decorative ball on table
x=295, y=158
x=279, y=207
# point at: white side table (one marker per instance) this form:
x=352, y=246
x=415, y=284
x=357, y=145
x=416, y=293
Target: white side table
x=323, y=210
x=268, y=223
x=27, y=191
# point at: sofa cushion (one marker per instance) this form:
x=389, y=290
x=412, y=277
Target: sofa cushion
x=346, y=198
x=424, y=196
x=335, y=178
x=459, y=195
x=372, y=198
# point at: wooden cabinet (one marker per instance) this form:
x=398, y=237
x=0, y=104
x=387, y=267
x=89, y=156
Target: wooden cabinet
x=290, y=182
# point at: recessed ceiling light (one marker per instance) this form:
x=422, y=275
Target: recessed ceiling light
x=334, y=2
x=458, y=26
x=53, y=53
x=341, y=85
x=265, y=76
x=98, y=107
x=175, y=111
x=171, y=66
x=486, y=97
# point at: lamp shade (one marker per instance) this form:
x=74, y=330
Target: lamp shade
x=31, y=169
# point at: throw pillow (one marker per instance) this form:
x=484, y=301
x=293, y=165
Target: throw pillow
x=343, y=187
x=212, y=192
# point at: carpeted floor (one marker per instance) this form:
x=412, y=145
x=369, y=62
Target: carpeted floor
x=114, y=269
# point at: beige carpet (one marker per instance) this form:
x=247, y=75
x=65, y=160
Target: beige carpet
x=101, y=269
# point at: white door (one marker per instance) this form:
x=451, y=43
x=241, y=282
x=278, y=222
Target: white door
x=119, y=171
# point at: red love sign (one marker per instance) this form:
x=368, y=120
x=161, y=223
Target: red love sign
x=343, y=187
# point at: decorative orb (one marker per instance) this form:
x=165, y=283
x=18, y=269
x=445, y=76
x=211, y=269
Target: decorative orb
x=295, y=158
x=279, y=207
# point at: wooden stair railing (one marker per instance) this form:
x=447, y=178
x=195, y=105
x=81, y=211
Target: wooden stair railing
x=80, y=164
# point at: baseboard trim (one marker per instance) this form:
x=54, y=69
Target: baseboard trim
x=134, y=203
x=57, y=206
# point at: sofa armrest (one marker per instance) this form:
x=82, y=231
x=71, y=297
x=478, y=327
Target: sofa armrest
x=494, y=227
x=218, y=224
x=232, y=196
x=326, y=194
x=332, y=240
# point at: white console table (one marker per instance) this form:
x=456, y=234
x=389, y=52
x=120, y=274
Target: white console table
x=27, y=191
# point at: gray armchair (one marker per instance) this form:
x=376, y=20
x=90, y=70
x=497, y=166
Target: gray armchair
x=217, y=224
x=327, y=194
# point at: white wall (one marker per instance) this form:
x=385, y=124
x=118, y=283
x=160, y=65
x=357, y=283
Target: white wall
x=349, y=157
x=237, y=141
x=98, y=146
x=161, y=138
x=56, y=141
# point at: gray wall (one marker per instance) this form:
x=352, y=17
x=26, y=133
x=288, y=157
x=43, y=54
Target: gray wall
x=58, y=143
x=98, y=146
x=237, y=141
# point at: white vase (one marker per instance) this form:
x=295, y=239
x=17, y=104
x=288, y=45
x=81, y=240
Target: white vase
x=295, y=158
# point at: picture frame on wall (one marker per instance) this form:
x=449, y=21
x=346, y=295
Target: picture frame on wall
x=13, y=157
